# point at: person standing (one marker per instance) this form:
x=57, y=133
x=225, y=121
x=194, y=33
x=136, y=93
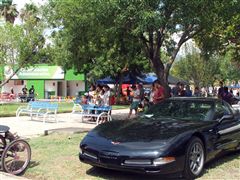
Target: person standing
x=128, y=93
x=188, y=92
x=181, y=92
x=31, y=94
x=176, y=89
x=24, y=90
x=158, y=94
x=135, y=100
x=227, y=96
x=197, y=92
x=23, y=97
x=32, y=90
x=106, y=96
x=220, y=90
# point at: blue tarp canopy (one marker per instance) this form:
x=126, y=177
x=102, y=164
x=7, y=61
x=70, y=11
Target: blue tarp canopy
x=109, y=80
x=145, y=79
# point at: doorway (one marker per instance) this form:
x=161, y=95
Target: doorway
x=60, y=88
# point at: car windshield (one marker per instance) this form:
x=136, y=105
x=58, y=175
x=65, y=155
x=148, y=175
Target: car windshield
x=182, y=109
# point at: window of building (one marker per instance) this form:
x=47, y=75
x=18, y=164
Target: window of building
x=18, y=82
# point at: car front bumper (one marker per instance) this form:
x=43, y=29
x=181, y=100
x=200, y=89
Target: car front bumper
x=116, y=164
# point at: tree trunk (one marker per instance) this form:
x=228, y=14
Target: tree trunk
x=119, y=88
x=162, y=75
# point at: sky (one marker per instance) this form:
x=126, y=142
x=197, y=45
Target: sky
x=20, y=3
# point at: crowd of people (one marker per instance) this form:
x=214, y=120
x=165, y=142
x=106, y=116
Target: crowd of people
x=98, y=95
x=156, y=95
x=139, y=99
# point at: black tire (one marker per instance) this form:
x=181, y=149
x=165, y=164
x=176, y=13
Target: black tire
x=194, y=158
x=11, y=157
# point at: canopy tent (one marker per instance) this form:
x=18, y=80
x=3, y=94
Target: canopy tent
x=109, y=80
x=145, y=79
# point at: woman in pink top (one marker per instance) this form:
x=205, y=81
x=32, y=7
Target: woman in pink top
x=158, y=92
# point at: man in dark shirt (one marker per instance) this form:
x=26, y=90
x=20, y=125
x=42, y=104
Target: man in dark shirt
x=24, y=90
x=220, y=90
x=227, y=96
x=32, y=90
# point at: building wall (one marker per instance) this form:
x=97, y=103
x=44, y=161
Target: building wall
x=43, y=87
x=16, y=88
x=38, y=86
x=50, y=86
x=74, y=87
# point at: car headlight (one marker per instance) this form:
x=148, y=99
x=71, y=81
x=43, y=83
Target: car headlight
x=163, y=160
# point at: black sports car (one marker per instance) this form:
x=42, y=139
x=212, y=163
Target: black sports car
x=177, y=135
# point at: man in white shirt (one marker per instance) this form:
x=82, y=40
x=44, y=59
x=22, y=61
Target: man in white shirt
x=135, y=101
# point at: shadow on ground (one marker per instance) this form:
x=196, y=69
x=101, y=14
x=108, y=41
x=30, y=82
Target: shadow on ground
x=33, y=164
x=227, y=157
x=118, y=175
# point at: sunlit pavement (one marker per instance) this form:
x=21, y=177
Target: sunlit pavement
x=25, y=127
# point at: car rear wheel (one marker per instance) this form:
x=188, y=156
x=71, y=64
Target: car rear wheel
x=194, y=159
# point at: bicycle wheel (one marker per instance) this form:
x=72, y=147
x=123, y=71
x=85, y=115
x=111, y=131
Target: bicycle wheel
x=16, y=157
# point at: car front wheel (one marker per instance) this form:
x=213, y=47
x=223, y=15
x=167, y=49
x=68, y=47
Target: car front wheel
x=194, y=158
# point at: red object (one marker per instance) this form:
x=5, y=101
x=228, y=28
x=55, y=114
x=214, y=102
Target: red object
x=112, y=100
x=124, y=88
x=157, y=94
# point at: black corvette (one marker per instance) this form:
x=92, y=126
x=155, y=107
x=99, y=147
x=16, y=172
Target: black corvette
x=177, y=135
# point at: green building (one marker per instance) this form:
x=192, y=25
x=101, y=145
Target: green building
x=47, y=81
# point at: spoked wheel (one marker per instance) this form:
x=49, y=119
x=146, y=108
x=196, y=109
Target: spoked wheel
x=16, y=157
x=103, y=117
x=194, y=161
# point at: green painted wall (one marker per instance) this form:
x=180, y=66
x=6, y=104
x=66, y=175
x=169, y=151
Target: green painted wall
x=70, y=76
x=38, y=86
x=1, y=73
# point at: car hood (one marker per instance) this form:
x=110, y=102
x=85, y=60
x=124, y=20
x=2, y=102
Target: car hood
x=146, y=129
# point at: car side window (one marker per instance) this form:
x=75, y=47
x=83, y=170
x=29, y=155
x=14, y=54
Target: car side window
x=221, y=110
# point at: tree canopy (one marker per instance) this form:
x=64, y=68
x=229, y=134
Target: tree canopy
x=118, y=31
x=21, y=45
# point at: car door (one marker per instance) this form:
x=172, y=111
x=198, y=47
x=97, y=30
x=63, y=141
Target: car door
x=228, y=130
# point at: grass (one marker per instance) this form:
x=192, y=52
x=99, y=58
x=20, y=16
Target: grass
x=55, y=157
x=9, y=109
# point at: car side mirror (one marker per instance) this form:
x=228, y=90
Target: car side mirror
x=226, y=117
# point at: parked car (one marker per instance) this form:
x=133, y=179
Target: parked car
x=178, y=136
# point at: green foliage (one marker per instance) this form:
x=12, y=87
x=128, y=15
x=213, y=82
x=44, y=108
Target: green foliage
x=19, y=47
x=199, y=71
x=85, y=39
x=8, y=11
x=224, y=36
x=22, y=45
x=108, y=37
x=229, y=69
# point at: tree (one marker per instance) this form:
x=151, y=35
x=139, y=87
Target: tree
x=224, y=37
x=29, y=12
x=91, y=26
x=8, y=11
x=196, y=69
x=21, y=46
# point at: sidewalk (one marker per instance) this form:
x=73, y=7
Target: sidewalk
x=30, y=128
